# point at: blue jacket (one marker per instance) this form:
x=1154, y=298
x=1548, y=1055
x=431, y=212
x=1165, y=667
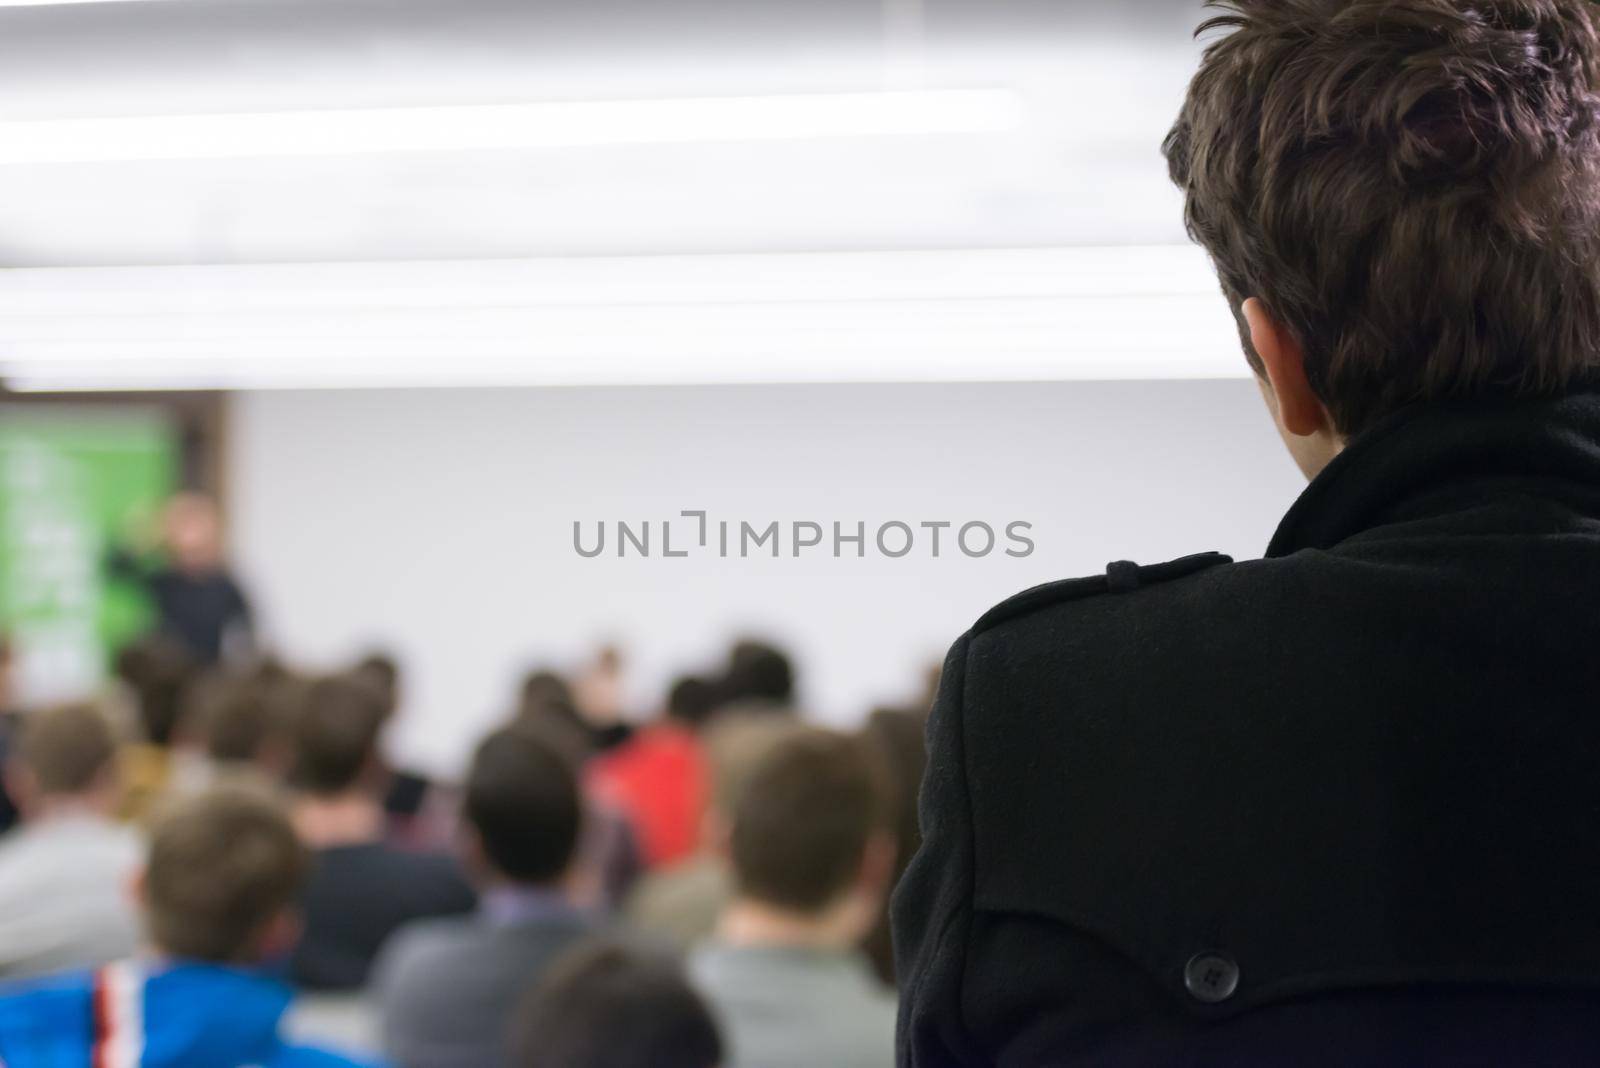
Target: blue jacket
x=130, y=1015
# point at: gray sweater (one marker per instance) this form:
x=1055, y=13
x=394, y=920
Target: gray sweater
x=783, y=1007
x=447, y=988
x=65, y=894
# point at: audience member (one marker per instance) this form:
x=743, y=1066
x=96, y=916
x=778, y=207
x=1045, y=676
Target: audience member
x=545, y=701
x=548, y=699
x=420, y=811
x=758, y=675
x=159, y=675
x=447, y=987
x=65, y=873
x=361, y=888
x=218, y=903
x=811, y=862
x=658, y=777
x=243, y=719
x=682, y=904
x=897, y=735
x=605, y=1006
x=611, y=855
x=381, y=671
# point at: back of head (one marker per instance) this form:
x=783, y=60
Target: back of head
x=757, y=672
x=67, y=750
x=803, y=824
x=523, y=803
x=223, y=866
x=160, y=672
x=691, y=701
x=543, y=688
x=736, y=744
x=241, y=716
x=382, y=672
x=607, y=1007
x=1411, y=187
x=336, y=731
x=546, y=703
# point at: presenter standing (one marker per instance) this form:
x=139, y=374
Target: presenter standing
x=197, y=600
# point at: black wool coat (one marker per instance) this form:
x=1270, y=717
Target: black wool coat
x=1338, y=806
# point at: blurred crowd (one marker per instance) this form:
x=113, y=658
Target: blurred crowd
x=219, y=858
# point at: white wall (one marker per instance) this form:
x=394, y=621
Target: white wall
x=439, y=523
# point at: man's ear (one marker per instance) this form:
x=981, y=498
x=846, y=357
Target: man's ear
x=877, y=863
x=1300, y=410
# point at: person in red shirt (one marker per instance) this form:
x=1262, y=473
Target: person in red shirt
x=658, y=777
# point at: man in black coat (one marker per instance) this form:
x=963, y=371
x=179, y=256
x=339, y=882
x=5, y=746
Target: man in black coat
x=197, y=600
x=1340, y=805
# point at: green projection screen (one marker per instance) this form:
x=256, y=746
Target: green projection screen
x=73, y=481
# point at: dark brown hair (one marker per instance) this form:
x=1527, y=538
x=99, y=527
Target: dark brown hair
x=67, y=749
x=161, y=674
x=605, y=1005
x=222, y=865
x=522, y=798
x=1412, y=187
x=802, y=824
x=336, y=733
x=242, y=715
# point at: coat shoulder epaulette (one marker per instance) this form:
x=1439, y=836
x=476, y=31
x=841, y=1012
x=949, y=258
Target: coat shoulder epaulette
x=1124, y=576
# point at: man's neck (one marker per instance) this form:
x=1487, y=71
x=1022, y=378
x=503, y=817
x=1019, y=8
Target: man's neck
x=67, y=806
x=509, y=901
x=349, y=818
x=755, y=923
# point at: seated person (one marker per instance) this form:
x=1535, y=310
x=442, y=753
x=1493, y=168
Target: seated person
x=606, y=1007
x=683, y=903
x=811, y=861
x=218, y=903
x=64, y=872
x=158, y=676
x=243, y=721
x=758, y=676
x=361, y=888
x=447, y=988
x=658, y=777
x=413, y=800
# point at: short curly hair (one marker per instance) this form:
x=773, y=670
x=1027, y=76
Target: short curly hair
x=1412, y=187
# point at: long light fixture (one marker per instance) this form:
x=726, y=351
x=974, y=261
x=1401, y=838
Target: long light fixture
x=510, y=126
x=51, y=3
x=987, y=315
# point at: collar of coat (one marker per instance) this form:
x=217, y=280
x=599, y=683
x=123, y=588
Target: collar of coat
x=1430, y=460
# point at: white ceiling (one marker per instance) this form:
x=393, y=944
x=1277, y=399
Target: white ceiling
x=1074, y=174
x=1099, y=88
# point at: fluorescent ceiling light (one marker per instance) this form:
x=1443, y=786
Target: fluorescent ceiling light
x=988, y=315
x=510, y=126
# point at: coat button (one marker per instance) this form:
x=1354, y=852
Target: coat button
x=1211, y=977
